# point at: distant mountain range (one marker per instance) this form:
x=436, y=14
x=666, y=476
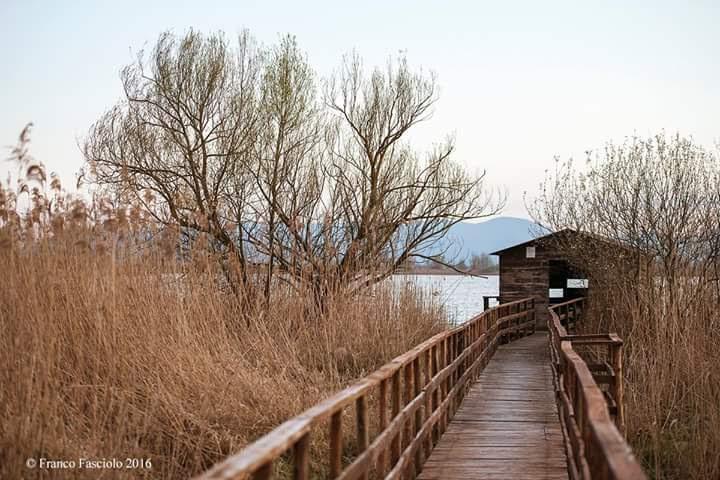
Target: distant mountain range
x=465, y=239
x=468, y=239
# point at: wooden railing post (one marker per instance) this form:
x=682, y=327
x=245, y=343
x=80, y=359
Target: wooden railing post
x=362, y=427
x=534, y=313
x=616, y=351
x=264, y=473
x=336, y=444
x=460, y=345
x=429, y=395
x=418, y=414
x=528, y=328
x=436, y=391
x=444, y=384
x=395, y=443
x=407, y=434
x=382, y=416
x=301, y=459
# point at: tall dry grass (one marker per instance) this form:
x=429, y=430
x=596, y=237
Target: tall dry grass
x=111, y=353
x=671, y=330
x=652, y=206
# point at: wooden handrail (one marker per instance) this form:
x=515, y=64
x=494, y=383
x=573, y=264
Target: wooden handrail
x=420, y=389
x=596, y=448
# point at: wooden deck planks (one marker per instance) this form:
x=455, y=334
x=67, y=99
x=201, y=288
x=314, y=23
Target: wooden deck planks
x=507, y=427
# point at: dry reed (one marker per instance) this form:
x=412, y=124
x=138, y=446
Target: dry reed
x=672, y=377
x=655, y=281
x=111, y=354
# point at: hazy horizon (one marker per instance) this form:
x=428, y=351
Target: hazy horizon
x=520, y=83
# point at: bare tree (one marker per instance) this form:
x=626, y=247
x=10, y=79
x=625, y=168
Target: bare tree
x=389, y=200
x=660, y=197
x=366, y=202
x=655, y=282
x=182, y=139
x=237, y=143
x=286, y=176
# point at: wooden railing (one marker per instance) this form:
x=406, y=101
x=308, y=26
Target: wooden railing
x=595, y=445
x=415, y=397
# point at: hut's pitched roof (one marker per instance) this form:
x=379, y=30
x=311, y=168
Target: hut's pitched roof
x=569, y=232
x=535, y=240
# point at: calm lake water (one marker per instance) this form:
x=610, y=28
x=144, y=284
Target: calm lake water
x=462, y=296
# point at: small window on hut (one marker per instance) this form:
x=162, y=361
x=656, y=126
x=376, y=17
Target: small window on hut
x=577, y=283
x=529, y=252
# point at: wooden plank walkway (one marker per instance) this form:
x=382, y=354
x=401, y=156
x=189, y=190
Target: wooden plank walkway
x=507, y=426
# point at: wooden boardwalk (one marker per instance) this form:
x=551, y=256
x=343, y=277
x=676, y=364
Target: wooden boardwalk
x=508, y=424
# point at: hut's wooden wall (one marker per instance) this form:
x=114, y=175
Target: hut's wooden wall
x=522, y=277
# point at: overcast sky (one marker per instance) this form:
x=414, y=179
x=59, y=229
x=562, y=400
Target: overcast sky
x=521, y=82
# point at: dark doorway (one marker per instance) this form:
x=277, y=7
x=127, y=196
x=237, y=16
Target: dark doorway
x=565, y=282
x=558, y=274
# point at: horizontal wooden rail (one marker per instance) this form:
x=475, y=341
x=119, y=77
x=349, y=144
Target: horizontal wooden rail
x=415, y=397
x=596, y=448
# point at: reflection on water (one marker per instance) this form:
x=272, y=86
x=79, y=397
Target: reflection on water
x=461, y=295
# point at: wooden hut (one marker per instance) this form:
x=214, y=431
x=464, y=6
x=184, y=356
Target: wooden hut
x=537, y=268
